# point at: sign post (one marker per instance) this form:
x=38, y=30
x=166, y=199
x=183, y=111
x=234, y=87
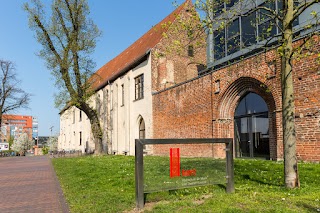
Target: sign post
x=178, y=169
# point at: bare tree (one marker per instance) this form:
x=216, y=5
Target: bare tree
x=68, y=38
x=12, y=97
x=217, y=15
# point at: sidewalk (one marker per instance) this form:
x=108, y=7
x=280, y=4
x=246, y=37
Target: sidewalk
x=29, y=184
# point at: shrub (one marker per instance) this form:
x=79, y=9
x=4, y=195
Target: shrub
x=45, y=150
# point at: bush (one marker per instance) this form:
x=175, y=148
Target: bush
x=6, y=153
x=45, y=150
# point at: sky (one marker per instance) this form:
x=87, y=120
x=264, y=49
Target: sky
x=122, y=22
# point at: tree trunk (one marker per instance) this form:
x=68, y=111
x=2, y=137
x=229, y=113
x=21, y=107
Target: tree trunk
x=97, y=135
x=288, y=109
x=95, y=127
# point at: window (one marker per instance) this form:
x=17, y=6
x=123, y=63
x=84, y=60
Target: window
x=266, y=25
x=219, y=5
x=280, y=9
x=122, y=95
x=80, y=138
x=142, y=129
x=80, y=115
x=190, y=51
x=219, y=44
x=138, y=87
x=233, y=37
x=248, y=25
x=230, y=3
x=247, y=29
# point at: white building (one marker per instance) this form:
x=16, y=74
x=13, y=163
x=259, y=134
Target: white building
x=124, y=90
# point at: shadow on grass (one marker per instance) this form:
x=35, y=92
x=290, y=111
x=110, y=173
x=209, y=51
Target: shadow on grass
x=259, y=181
x=308, y=207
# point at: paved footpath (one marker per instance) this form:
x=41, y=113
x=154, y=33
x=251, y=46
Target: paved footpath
x=29, y=184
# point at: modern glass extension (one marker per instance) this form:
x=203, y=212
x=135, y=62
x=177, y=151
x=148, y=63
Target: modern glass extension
x=243, y=33
x=252, y=127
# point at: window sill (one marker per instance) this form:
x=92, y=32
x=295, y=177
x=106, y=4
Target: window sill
x=138, y=99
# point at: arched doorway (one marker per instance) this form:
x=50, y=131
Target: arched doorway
x=252, y=127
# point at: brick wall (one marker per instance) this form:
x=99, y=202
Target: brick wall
x=199, y=109
x=171, y=62
x=307, y=102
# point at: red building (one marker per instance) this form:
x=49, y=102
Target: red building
x=14, y=125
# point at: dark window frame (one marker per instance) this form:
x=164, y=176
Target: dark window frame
x=80, y=138
x=190, y=51
x=139, y=87
x=122, y=94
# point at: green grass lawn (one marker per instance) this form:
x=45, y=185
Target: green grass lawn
x=106, y=184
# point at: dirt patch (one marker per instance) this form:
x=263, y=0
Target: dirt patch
x=147, y=207
x=202, y=199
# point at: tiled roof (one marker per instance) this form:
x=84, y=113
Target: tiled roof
x=135, y=52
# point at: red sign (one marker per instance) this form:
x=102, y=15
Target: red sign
x=174, y=162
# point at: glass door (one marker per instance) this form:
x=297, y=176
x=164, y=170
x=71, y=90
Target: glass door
x=252, y=127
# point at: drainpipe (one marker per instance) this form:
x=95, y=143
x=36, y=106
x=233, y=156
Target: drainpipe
x=117, y=118
x=129, y=115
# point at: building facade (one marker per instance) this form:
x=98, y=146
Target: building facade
x=15, y=125
x=146, y=93
x=239, y=95
x=124, y=88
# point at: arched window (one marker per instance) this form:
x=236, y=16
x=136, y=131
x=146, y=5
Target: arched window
x=251, y=104
x=142, y=129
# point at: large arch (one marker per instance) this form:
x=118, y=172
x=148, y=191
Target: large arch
x=230, y=99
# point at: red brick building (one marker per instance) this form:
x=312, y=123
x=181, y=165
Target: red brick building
x=14, y=125
x=205, y=106
x=239, y=96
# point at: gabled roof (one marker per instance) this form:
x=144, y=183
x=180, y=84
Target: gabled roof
x=134, y=53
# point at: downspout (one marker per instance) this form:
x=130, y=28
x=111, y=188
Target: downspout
x=117, y=118
x=129, y=113
x=111, y=116
x=211, y=93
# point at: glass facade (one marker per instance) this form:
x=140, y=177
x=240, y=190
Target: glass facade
x=242, y=31
x=35, y=127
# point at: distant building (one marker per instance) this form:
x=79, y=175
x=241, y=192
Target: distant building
x=42, y=141
x=15, y=125
x=35, y=132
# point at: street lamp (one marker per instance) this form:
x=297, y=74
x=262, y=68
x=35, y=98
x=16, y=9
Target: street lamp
x=51, y=131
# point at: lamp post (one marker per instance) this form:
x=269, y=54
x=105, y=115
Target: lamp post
x=51, y=131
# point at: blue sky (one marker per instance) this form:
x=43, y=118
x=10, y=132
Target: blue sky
x=122, y=23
